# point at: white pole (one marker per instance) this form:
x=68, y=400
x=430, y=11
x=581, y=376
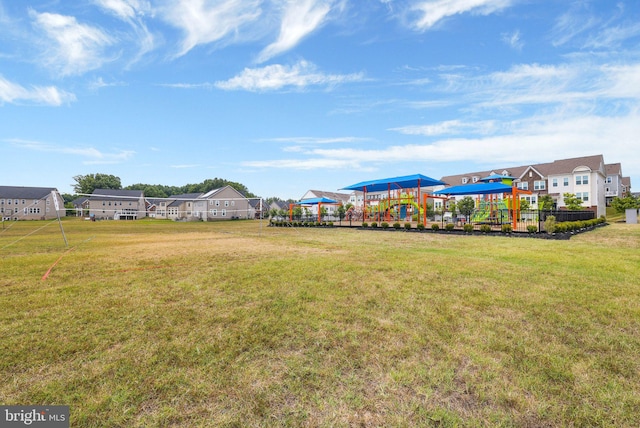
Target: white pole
x=57, y=207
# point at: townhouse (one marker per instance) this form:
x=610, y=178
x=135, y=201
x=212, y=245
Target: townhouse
x=587, y=177
x=112, y=204
x=225, y=203
x=30, y=203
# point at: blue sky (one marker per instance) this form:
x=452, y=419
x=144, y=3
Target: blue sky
x=290, y=95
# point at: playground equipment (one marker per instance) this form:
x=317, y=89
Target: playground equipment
x=400, y=196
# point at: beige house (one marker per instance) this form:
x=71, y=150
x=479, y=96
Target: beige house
x=30, y=203
x=585, y=177
x=110, y=204
x=225, y=203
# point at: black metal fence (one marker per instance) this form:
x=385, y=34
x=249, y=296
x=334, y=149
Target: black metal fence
x=528, y=220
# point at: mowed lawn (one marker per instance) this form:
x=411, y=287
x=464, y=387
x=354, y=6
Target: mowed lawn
x=154, y=323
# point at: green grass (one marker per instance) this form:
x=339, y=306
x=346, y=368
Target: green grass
x=154, y=323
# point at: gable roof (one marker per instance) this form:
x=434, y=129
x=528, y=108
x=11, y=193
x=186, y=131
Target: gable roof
x=557, y=167
x=110, y=194
x=613, y=169
x=18, y=192
x=330, y=195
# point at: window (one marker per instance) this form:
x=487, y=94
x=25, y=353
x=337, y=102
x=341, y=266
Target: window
x=217, y=203
x=566, y=182
x=554, y=183
x=223, y=213
x=465, y=180
x=1, y=201
x=214, y=212
x=585, y=196
x=233, y=203
x=226, y=204
x=582, y=179
x=475, y=179
x=24, y=202
x=609, y=180
x=524, y=185
x=539, y=185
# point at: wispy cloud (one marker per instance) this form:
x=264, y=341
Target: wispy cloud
x=575, y=21
x=207, y=21
x=274, y=77
x=48, y=95
x=132, y=12
x=185, y=166
x=611, y=37
x=71, y=48
x=91, y=155
x=430, y=12
x=300, y=18
x=448, y=127
x=513, y=40
x=317, y=140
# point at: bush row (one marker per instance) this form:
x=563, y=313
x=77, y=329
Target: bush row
x=301, y=223
x=574, y=226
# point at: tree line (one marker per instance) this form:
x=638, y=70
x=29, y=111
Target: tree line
x=86, y=184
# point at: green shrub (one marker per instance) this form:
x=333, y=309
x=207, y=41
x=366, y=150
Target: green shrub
x=485, y=228
x=468, y=228
x=435, y=227
x=365, y=224
x=550, y=224
x=449, y=227
x=407, y=226
x=384, y=225
x=420, y=226
x=330, y=224
x=506, y=228
x=374, y=224
x=563, y=227
x=532, y=229
x=396, y=225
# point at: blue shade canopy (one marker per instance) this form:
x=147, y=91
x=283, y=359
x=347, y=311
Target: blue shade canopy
x=404, y=182
x=475, y=189
x=316, y=201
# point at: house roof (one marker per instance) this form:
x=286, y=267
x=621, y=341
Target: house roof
x=476, y=189
x=557, y=167
x=613, y=169
x=17, y=192
x=109, y=194
x=330, y=195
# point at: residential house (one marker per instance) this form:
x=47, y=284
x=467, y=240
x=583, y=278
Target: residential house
x=626, y=186
x=613, y=182
x=341, y=198
x=30, y=203
x=81, y=206
x=225, y=203
x=112, y=204
x=584, y=176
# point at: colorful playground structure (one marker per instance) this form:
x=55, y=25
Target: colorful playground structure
x=404, y=199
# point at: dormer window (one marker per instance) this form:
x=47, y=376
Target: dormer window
x=475, y=179
x=465, y=180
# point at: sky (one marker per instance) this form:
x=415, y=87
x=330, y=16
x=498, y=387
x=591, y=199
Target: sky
x=285, y=96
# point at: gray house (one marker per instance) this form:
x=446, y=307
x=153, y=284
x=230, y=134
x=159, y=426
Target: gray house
x=30, y=203
x=110, y=204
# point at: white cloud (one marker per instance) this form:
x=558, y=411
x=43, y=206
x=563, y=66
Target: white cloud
x=513, y=40
x=49, y=95
x=274, y=77
x=72, y=48
x=572, y=23
x=92, y=155
x=448, y=127
x=132, y=12
x=318, y=140
x=207, y=21
x=611, y=37
x=300, y=18
x=125, y=9
x=433, y=11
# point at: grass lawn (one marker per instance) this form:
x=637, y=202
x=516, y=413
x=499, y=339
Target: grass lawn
x=154, y=323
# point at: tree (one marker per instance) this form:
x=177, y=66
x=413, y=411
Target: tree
x=466, y=206
x=623, y=204
x=545, y=202
x=572, y=202
x=341, y=211
x=86, y=184
x=524, y=205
